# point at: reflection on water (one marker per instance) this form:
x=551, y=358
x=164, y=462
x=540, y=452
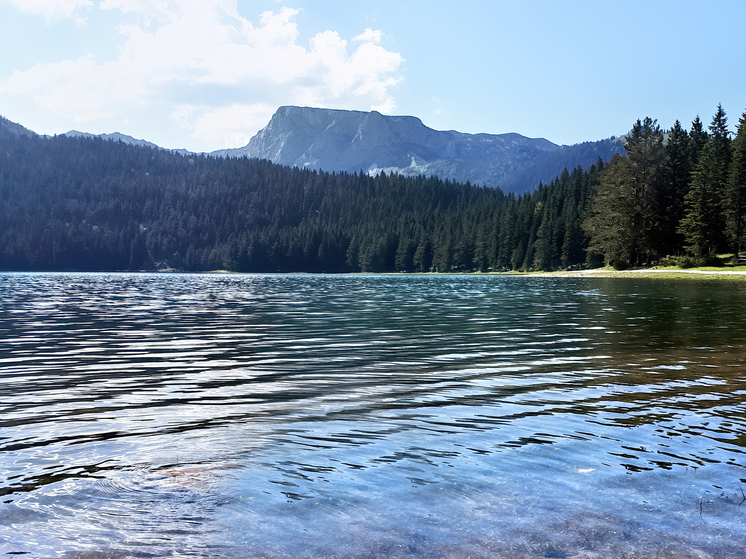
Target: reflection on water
x=371, y=416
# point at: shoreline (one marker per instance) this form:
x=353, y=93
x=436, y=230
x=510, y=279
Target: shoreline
x=658, y=273
x=664, y=273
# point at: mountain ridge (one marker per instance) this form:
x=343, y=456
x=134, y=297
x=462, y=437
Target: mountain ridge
x=119, y=137
x=114, y=137
x=353, y=141
x=338, y=140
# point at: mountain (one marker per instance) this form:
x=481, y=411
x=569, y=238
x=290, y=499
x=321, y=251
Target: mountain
x=353, y=141
x=10, y=129
x=124, y=138
x=547, y=166
x=114, y=137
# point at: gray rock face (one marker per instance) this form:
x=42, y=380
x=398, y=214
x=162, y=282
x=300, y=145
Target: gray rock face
x=353, y=141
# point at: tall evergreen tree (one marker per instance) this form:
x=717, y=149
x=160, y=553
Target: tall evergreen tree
x=703, y=224
x=622, y=224
x=677, y=174
x=736, y=214
x=698, y=136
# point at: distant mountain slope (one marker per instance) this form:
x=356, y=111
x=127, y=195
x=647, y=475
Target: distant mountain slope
x=124, y=138
x=114, y=137
x=351, y=141
x=10, y=129
x=549, y=166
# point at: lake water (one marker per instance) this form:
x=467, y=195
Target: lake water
x=296, y=416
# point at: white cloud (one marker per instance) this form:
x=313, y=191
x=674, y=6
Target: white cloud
x=51, y=9
x=74, y=88
x=203, y=58
x=224, y=127
x=370, y=36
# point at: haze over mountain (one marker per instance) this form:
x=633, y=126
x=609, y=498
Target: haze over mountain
x=354, y=141
x=351, y=141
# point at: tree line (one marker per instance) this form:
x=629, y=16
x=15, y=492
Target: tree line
x=90, y=204
x=676, y=196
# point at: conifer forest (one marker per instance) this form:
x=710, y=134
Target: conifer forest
x=85, y=204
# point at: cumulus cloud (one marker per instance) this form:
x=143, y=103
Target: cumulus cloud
x=78, y=89
x=228, y=126
x=220, y=74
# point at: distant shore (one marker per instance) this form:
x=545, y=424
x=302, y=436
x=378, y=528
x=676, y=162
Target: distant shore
x=664, y=273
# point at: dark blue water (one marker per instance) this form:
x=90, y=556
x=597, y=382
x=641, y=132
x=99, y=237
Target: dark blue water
x=303, y=416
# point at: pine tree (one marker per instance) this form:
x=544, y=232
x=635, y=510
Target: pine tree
x=404, y=259
x=423, y=255
x=698, y=136
x=542, y=247
x=608, y=224
x=675, y=184
x=736, y=214
x=703, y=224
x=622, y=224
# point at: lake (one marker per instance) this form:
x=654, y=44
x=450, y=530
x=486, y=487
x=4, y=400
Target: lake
x=304, y=416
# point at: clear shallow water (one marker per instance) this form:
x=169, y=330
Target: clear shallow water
x=371, y=416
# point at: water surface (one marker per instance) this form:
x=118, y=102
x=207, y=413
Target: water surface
x=302, y=416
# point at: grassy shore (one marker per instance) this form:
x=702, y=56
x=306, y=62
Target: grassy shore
x=660, y=272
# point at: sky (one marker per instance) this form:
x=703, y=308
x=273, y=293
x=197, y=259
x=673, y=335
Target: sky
x=208, y=74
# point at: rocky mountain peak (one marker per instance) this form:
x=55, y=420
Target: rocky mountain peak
x=351, y=141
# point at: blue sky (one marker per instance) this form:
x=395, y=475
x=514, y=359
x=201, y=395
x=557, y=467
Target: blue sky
x=208, y=74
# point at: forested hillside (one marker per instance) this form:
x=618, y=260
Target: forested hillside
x=547, y=165
x=90, y=204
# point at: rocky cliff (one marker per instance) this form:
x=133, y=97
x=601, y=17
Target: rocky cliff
x=353, y=141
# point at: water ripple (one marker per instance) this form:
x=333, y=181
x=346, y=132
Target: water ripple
x=175, y=411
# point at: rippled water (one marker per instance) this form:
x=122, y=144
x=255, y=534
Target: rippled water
x=371, y=416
